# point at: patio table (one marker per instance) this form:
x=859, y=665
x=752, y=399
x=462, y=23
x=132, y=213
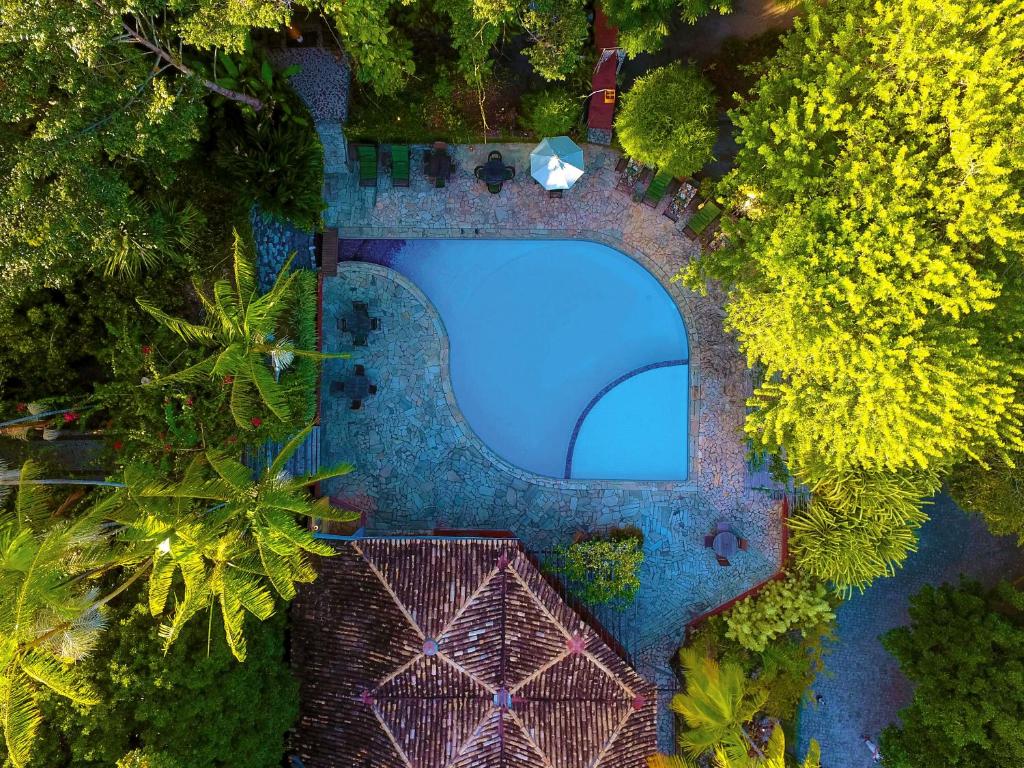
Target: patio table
x=725, y=544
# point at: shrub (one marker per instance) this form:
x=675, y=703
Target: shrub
x=667, y=120
x=995, y=492
x=602, y=571
x=964, y=652
x=795, y=601
x=859, y=526
x=551, y=112
x=194, y=706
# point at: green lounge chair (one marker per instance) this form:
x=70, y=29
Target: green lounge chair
x=367, y=156
x=700, y=223
x=400, y=165
x=656, y=190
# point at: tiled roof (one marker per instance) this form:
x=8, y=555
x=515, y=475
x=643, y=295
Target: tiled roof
x=457, y=653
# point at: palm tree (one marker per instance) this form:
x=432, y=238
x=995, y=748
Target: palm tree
x=239, y=551
x=716, y=705
x=241, y=330
x=774, y=756
x=49, y=614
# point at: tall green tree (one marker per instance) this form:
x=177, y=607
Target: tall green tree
x=667, y=120
x=876, y=277
x=994, y=490
x=644, y=24
x=964, y=652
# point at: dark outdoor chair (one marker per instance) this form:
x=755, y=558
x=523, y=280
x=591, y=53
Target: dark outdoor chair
x=722, y=561
x=400, y=165
x=374, y=323
x=360, y=370
x=555, y=194
x=359, y=341
x=709, y=541
x=494, y=188
x=744, y=544
x=342, y=324
x=357, y=404
x=372, y=389
x=360, y=306
x=621, y=165
x=367, y=155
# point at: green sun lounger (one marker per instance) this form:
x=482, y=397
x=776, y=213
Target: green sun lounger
x=400, y=165
x=656, y=190
x=367, y=156
x=705, y=216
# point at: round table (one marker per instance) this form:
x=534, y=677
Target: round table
x=725, y=544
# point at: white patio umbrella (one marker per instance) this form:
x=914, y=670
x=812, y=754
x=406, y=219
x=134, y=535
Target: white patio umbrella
x=556, y=163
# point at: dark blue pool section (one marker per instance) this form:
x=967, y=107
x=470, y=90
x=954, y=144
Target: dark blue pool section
x=537, y=330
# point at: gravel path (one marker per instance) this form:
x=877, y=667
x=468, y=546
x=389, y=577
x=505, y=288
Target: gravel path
x=862, y=687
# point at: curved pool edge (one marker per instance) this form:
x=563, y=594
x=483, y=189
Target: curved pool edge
x=462, y=423
x=682, y=297
x=604, y=391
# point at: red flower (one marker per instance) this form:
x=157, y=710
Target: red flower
x=229, y=379
x=255, y=421
x=146, y=349
x=70, y=416
x=188, y=401
x=232, y=439
x=167, y=447
x=21, y=407
x=118, y=445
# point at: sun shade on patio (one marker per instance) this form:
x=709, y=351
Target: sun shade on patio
x=556, y=163
x=442, y=653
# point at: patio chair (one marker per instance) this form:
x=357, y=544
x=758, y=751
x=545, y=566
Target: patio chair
x=744, y=544
x=621, y=165
x=343, y=324
x=360, y=306
x=555, y=194
x=705, y=216
x=372, y=389
x=360, y=370
x=357, y=404
x=367, y=155
x=722, y=561
x=374, y=323
x=709, y=541
x=657, y=189
x=400, y=165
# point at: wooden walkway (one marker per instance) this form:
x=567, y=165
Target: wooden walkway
x=601, y=113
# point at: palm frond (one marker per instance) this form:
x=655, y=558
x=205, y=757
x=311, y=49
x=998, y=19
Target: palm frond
x=232, y=360
x=243, y=403
x=19, y=715
x=231, y=471
x=191, y=375
x=289, y=450
x=271, y=393
x=245, y=270
x=58, y=677
x=183, y=328
x=32, y=504
x=160, y=582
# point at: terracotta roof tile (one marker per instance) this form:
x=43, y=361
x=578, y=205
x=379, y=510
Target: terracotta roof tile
x=440, y=653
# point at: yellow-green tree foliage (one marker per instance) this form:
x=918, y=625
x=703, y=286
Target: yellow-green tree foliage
x=796, y=601
x=876, y=276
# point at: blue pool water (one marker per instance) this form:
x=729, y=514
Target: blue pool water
x=538, y=330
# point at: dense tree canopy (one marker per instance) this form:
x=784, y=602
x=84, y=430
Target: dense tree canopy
x=667, y=120
x=193, y=706
x=876, y=279
x=643, y=24
x=964, y=651
x=994, y=490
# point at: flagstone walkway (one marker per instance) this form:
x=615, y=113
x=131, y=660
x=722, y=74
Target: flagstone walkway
x=419, y=466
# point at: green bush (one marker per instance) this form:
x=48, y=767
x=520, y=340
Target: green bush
x=964, y=653
x=551, y=112
x=667, y=120
x=796, y=601
x=859, y=526
x=602, y=571
x=194, y=706
x=996, y=492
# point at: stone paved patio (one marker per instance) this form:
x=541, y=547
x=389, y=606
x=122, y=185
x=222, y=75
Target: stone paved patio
x=418, y=464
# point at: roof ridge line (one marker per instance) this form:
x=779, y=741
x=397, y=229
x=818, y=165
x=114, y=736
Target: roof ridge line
x=529, y=738
x=387, y=587
x=391, y=737
x=459, y=668
x=476, y=731
x=611, y=739
x=469, y=601
x=539, y=671
x=543, y=608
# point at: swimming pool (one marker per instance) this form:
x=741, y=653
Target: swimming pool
x=567, y=358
